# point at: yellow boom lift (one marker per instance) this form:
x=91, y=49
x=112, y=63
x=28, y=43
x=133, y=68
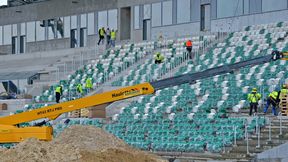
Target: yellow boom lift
x=11, y=132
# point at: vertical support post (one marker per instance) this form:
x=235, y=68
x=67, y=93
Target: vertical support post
x=247, y=140
x=280, y=125
x=235, y=135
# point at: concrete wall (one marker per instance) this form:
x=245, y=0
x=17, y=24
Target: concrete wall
x=5, y=49
x=277, y=154
x=48, y=45
x=237, y=23
x=13, y=105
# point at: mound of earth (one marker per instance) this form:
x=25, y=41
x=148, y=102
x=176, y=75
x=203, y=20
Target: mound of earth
x=77, y=144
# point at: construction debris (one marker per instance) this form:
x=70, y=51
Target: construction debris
x=77, y=144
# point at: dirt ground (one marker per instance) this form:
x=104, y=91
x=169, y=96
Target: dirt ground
x=77, y=144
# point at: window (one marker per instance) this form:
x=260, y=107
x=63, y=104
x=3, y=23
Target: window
x=156, y=14
x=246, y=6
x=51, y=23
x=1, y=35
x=227, y=8
x=112, y=19
x=14, y=30
x=147, y=11
x=136, y=17
x=102, y=19
x=40, y=30
x=7, y=34
x=83, y=20
x=67, y=27
x=183, y=11
x=23, y=29
x=167, y=12
x=30, y=31
x=271, y=5
x=91, y=24
x=74, y=22
x=59, y=28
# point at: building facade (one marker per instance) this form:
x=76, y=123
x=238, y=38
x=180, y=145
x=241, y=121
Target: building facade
x=58, y=24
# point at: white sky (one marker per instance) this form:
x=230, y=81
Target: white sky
x=3, y=2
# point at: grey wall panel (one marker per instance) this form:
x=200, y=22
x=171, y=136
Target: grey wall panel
x=213, y=9
x=175, y=31
x=195, y=10
x=255, y=6
x=236, y=24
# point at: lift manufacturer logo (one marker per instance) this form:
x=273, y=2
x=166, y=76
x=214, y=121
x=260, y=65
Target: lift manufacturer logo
x=127, y=93
x=49, y=110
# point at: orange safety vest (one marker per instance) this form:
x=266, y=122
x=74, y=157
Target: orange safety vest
x=189, y=44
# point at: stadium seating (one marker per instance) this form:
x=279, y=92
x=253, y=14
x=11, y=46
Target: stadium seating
x=193, y=117
x=175, y=54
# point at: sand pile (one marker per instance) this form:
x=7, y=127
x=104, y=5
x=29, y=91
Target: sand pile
x=77, y=143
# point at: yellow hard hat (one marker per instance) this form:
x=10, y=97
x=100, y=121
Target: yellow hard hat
x=254, y=90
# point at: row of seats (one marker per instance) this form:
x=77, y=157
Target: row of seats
x=194, y=117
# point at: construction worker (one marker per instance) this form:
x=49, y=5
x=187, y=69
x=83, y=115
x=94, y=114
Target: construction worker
x=188, y=45
x=89, y=84
x=253, y=99
x=101, y=33
x=159, y=58
x=113, y=37
x=273, y=99
x=58, y=93
x=79, y=89
x=283, y=90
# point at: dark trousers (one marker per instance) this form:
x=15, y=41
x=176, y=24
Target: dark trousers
x=157, y=62
x=253, y=106
x=57, y=97
x=101, y=38
x=189, y=49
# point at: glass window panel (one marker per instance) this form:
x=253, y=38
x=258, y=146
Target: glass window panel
x=51, y=23
x=183, y=11
x=246, y=6
x=83, y=20
x=271, y=5
x=23, y=29
x=156, y=14
x=67, y=27
x=227, y=8
x=59, y=27
x=91, y=24
x=112, y=19
x=40, y=30
x=1, y=35
x=74, y=22
x=30, y=31
x=147, y=11
x=102, y=19
x=136, y=17
x=14, y=30
x=7, y=34
x=167, y=12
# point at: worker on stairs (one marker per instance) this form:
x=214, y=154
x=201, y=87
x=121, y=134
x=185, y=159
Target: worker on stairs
x=188, y=45
x=273, y=99
x=58, y=93
x=89, y=84
x=253, y=99
x=159, y=58
x=79, y=89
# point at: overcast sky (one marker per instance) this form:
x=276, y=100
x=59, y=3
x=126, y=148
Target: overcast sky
x=3, y=2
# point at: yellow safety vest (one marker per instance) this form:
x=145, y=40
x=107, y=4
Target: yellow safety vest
x=284, y=91
x=273, y=95
x=58, y=89
x=159, y=58
x=79, y=88
x=102, y=32
x=113, y=35
x=254, y=97
x=88, y=83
